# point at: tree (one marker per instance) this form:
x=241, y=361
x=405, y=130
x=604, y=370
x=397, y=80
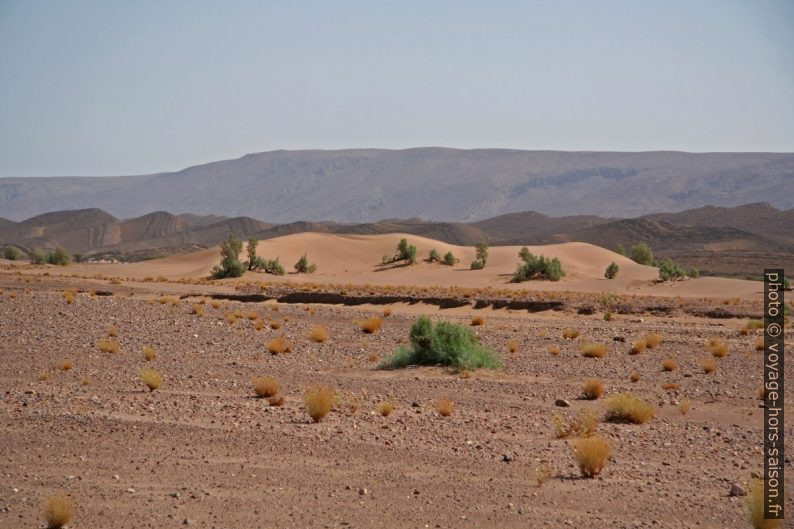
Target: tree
x=449, y=259
x=12, y=253
x=642, y=254
x=59, y=257
x=304, y=267
x=612, y=270
x=405, y=252
x=272, y=266
x=230, y=265
x=252, y=257
x=433, y=256
x=539, y=267
x=669, y=270
x=38, y=257
x=620, y=249
x=481, y=256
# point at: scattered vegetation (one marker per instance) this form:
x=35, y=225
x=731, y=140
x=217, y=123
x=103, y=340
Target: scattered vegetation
x=542, y=474
x=554, y=350
x=717, y=348
x=641, y=253
x=230, y=265
x=279, y=345
x=625, y=407
x=405, y=252
x=69, y=296
x=570, y=334
x=148, y=353
x=371, y=324
x=197, y=309
x=444, y=406
x=684, y=407
x=58, y=510
x=584, y=424
x=66, y=365
x=59, y=257
x=594, y=350
x=477, y=321
x=303, y=266
x=481, y=256
x=512, y=345
x=450, y=259
x=265, y=386
x=433, y=256
x=276, y=400
x=385, y=408
x=12, y=253
x=635, y=377
x=591, y=455
x=318, y=334
x=638, y=347
x=759, y=344
x=108, y=346
x=592, y=389
x=669, y=364
x=539, y=267
x=442, y=343
x=708, y=365
x=669, y=270
x=319, y=400
x=612, y=270
x=151, y=378
x=652, y=340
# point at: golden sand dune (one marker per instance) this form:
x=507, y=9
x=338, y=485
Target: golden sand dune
x=356, y=259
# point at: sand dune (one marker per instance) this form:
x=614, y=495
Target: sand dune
x=356, y=259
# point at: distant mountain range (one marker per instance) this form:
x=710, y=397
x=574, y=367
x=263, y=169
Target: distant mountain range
x=738, y=241
x=451, y=185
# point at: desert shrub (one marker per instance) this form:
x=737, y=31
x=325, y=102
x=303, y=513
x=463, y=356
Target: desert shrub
x=371, y=324
x=477, y=321
x=148, y=353
x=754, y=325
x=669, y=270
x=318, y=334
x=652, y=340
x=230, y=265
x=108, y=346
x=405, y=252
x=319, y=400
x=58, y=510
x=642, y=254
x=385, y=408
x=584, y=424
x=594, y=350
x=59, y=257
x=539, y=267
x=754, y=502
x=270, y=266
x=113, y=331
x=542, y=474
x=265, y=386
x=759, y=344
x=303, y=266
x=12, y=253
x=717, y=347
x=66, y=365
x=612, y=270
x=570, y=334
x=669, y=364
x=592, y=389
x=591, y=455
x=625, y=407
x=684, y=407
x=481, y=256
x=444, y=406
x=620, y=249
x=442, y=343
x=197, y=309
x=449, y=259
x=708, y=365
x=387, y=312
x=433, y=256
x=554, y=350
x=669, y=386
x=279, y=345
x=275, y=325
x=151, y=378
x=215, y=304
x=69, y=296
x=693, y=272
x=638, y=347
x=38, y=257
x=512, y=345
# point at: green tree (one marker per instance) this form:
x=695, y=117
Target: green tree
x=480, y=257
x=669, y=270
x=539, y=267
x=59, y=257
x=253, y=259
x=38, y=257
x=642, y=254
x=303, y=266
x=12, y=253
x=230, y=265
x=612, y=270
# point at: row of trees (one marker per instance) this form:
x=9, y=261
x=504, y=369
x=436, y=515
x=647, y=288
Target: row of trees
x=641, y=253
x=232, y=266
x=58, y=256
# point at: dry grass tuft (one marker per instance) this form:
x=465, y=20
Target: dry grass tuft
x=625, y=407
x=385, y=408
x=318, y=400
x=684, y=407
x=151, y=378
x=591, y=455
x=717, y=348
x=252, y=315
x=542, y=474
x=554, y=350
x=570, y=334
x=759, y=344
x=584, y=424
x=108, y=346
x=279, y=345
x=44, y=376
x=708, y=365
x=66, y=365
x=755, y=507
x=592, y=389
x=653, y=339
x=371, y=325
x=635, y=377
x=669, y=386
x=373, y=357
x=638, y=347
x=230, y=317
x=215, y=304
x=276, y=400
x=512, y=346
x=594, y=350
x=113, y=331
x=387, y=312
x=477, y=321
x=58, y=510
x=265, y=386
x=669, y=364
x=259, y=325
x=197, y=309
x=148, y=353
x=444, y=407
x=318, y=334
x=68, y=295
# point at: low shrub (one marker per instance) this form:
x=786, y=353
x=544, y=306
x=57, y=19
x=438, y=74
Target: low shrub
x=652, y=340
x=151, y=378
x=512, y=345
x=638, y=347
x=635, y=377
x=265, y=386
x=554, y=350
x=58, y=510
x=477, y=321
x=108, y=346
x=625, y=407
x=276, y=400
x=717, y=348
x=594, y=350
x=319, y=400
x=570, y=334
x=584, y=424
x=669, y=364
x=444, y=407
x=592, y=389
x=148, y=353
x=592, y=454
x=371, y=324
x=66, y=365
x=197, y=309
x=708, y=365
x=385, y=408
x=612, y=270
x=684, y=407
x=539, y=267
x=318, y=334
x=279, y=345
x=303, y=266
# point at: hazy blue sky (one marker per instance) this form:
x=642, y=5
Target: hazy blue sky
x=105, y=88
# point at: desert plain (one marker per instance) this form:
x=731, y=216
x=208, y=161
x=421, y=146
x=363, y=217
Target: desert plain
x=203, y=450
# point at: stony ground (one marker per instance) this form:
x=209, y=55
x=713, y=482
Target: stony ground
x=203, y=451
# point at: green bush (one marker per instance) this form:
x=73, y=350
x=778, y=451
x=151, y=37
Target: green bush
x=612, y=270
x=669, y=270
x=446, y=344
x=433, y=256
x=230, y=265
x=272, y=266
x=693, y=272
x=481, y=257
x=253, y=259
x=642, y=254
x=449, y=259
x=539, y=267
x=303, y=266
x=59, y=257
x=12, y=253
x=620, y=249
x=38, y=257
x=405, y=252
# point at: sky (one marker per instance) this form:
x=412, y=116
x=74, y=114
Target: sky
x=101, y=88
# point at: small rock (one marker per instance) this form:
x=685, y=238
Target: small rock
x=737, y=490
x=187, y=521
x=507, y=458
x=363, y=492
x=562, y=403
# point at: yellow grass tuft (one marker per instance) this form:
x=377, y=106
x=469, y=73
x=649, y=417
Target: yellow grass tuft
x=717, y=348
x=113, y=331
x=591, y=455
x=371, y=325
x=708, y=365
x=653, y=339
x=215, y=304
x=385, y=408
x=58, y=510
x=584, y=424
x=625, y=407
x=638, y=347
x=265, y=386
x=669, y=386
x=151, y=378
x=259, y=325
x=444, y=407
x=108, y=346
x=684, y=407
x=68, y=295
x=592, y=389
x=759, y=344
x=594, y=350
x=197, y=309
x=512, y=346
x=148, y=353
x=44, y=376
x=542, y=474
x=669, y=364
x=477, y=321
x=554, y=350
x=387, y=312
x=570, y=334
x=66, y=365
x=230, y=317
x=373, y=357
x=318, y=400
x=279, y=345
x=318, y=334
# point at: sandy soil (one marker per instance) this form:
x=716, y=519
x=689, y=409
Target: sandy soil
x=202, y=451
